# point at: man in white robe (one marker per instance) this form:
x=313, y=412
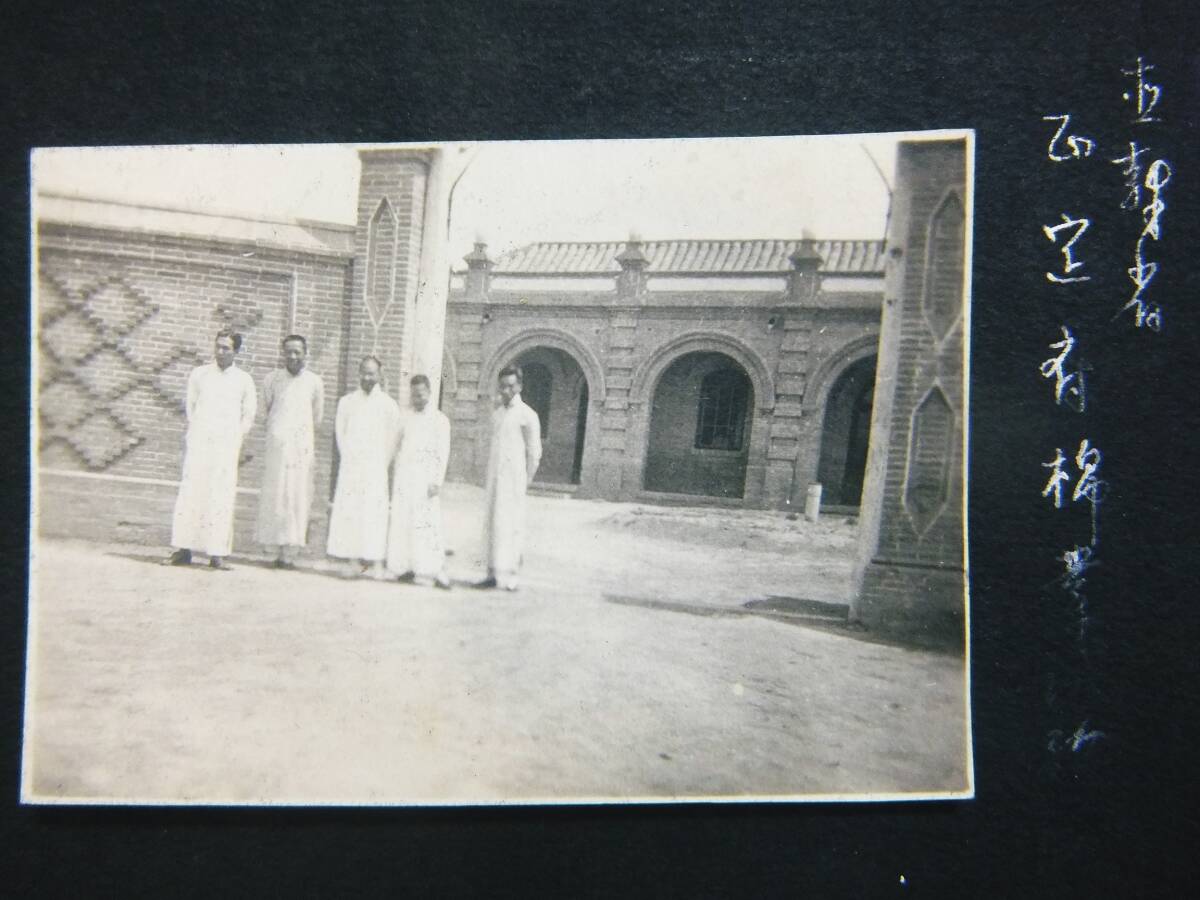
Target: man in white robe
x=415, y=548
x=295, y=402
x=367, y=421
x=516, y=451
x=220, y=410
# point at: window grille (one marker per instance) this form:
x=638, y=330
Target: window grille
x=721, y=416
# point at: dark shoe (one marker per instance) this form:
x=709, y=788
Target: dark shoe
x=179, y=558
x=407, y=578
x=487, y=584
x=285, y=565
x=219, y=564
x=441, y=584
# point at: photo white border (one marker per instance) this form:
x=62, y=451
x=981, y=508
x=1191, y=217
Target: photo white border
x=29, y=798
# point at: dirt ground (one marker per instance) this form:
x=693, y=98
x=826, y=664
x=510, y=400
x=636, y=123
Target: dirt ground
x=188, y=685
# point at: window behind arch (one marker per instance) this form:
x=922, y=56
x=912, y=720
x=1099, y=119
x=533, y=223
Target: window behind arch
x=721, y=417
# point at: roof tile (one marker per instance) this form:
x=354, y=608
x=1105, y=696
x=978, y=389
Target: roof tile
x=751, y=257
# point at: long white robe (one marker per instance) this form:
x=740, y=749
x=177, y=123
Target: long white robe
x=516, y=451
x=221, y=404
x=415, y=530
x=366, y=440
x=295, y=406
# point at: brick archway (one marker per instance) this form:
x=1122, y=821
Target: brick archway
x=816, y=398
x=546, y=337
x=582, y=467
x=646, y=376
x=645, y=382
x=829, y=371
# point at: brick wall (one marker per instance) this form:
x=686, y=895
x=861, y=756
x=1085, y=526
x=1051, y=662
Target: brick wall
x=129, y=299
x=910, y=576
x=789, y=352
x=123, y=315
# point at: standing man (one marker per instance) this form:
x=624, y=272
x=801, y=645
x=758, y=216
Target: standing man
x=516, y=451
x=415, y=549
x=220, y=412
x=295, y=400
x=367, y=420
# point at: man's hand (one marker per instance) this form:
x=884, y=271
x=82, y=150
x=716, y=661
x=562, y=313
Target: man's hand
x=434, y=490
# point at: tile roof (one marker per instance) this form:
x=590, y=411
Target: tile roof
x=750, y=257
x=314, y=237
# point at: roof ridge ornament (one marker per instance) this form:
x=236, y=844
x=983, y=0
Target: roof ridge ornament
x=804, y=281
x=631, y=282
x=633, y=255
x=479, y=271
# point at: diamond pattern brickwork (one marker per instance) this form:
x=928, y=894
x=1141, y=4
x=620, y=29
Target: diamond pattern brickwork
x=929, y=455
x=96, y=400
x=942, y=302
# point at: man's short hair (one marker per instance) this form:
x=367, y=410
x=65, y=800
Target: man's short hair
x=512, y=370
x=419, y=379
x=373, y=358
x=233, y=336
x=295, y=337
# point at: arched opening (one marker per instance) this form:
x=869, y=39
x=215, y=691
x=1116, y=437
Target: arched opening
x=580, y=433
x=537, y=389
x=700, y=421
x=555, y=387
x=846, y=434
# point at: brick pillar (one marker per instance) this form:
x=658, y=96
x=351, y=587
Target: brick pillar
x=909, y=576
x=469, y=414
x=789, y=428
x=619, y=475
x=387, y=253
x=793, y=435
x=622, y=438
x=474, y=404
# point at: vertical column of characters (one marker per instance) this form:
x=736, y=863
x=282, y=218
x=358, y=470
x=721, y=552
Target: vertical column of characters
x=1075, y=477
x=1065, y=280
x=1067, y=147
x=1146, y=184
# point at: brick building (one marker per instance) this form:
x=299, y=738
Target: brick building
x=726, y=372
x=129, y=298
x=716, y=371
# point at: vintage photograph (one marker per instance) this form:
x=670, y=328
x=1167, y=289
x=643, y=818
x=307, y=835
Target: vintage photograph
x=544, y=472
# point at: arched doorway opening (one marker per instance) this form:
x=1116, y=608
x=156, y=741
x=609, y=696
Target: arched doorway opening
x=700, y=422
x=555, y=387
x=580, y=433
x=846, y=433
x=537, y=390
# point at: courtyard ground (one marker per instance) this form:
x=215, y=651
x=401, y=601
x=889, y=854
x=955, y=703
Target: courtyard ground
x=627, y=666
